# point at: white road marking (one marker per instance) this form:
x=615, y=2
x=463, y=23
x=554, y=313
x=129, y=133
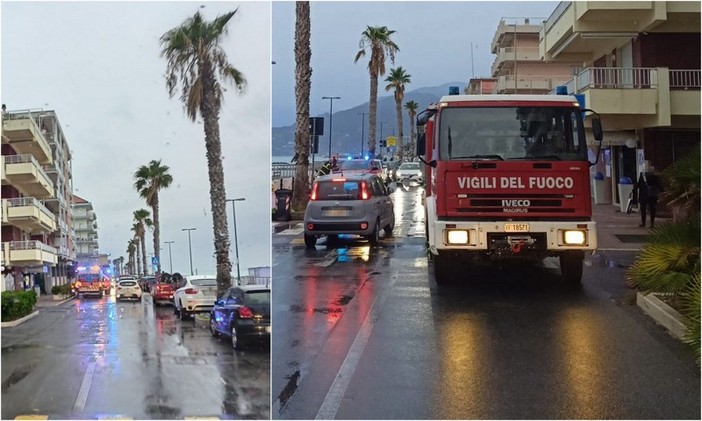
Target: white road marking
x=84, y=388
x=337, y=390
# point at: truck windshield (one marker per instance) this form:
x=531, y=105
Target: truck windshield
x=502, y=133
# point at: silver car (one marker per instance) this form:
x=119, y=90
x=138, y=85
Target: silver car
x=195, y=294
x=411, y=171
x=357, y=204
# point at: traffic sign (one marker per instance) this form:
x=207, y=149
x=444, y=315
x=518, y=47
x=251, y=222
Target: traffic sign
x=391, y=140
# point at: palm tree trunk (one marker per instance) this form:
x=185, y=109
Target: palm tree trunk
x=157, y=232
x=398, y=109
x=372, y=111
x=138, y=256
x=143, y=252
x=210, y=116
x=303, y=77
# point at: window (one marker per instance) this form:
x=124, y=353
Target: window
x=338, y=190
x=258, y=297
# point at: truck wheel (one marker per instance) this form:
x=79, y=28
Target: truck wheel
x=442, y=268
x=572, y=266
x=310, y=241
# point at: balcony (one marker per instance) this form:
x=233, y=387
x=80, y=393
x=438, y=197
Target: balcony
x=27, y=176
x=22, y=133
x=29, y=253
x=507, y=56
x=528, y=84
x=639, y=97
x=509, y=26
x=28, y=214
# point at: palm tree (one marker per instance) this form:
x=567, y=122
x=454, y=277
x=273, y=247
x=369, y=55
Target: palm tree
x=133, y=249
x=149, y=180
x=411, y=108
x=196, y=58
x=377, y=38
x=397, y=80
x=141, y=217
x=303, y=77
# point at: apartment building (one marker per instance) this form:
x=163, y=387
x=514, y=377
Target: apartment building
x=29, y=226
x=481, y=86
x=85, y=226
x=518, y=65
x=257, y=276
x=640, y=72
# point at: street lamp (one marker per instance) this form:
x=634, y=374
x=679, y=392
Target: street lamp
x=170, y=257
x=363, y=123
x=236, y=242
x=190, y=248
x=331, y=101
x=381, y=137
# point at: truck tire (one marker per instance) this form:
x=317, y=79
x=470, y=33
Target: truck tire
x=572, y=266
x=442, y=268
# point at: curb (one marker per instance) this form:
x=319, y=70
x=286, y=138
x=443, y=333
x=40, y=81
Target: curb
x=55, y=303
x=19, y=321
x=662, y=313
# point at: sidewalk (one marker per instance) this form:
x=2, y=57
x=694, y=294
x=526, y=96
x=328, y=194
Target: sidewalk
x=47, y=300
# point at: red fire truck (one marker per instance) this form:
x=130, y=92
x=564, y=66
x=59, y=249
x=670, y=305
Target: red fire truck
x=507, y=178
x=91, y=280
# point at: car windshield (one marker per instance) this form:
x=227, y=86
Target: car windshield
x=410, y=166
x=339, y=189
x=258, y=297
x=89, y=277
x=127, y=283
x=204, y=282
x=355, y=165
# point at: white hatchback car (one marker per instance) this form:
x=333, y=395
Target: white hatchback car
x=128, y=288
x=410, y=171
x=195, y=294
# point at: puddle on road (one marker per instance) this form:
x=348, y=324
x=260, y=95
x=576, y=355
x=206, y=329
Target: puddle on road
x=288, y=390
x=16, y=377
x=603, y=260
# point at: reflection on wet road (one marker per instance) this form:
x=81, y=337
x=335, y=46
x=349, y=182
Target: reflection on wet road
x=365, y=333
x=96, y=358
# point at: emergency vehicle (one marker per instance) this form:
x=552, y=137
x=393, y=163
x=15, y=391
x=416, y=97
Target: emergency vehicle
x=91, y=280
x=508, y=177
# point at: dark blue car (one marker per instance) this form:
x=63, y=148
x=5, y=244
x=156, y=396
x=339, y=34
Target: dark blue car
x=244, y=314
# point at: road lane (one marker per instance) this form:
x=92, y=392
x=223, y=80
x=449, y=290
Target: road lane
x=147, y=365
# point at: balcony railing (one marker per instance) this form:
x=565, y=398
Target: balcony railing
x=29, y=201
x=613, y=78
x=684, y=79
x=556, y=14
x=31, y=245
x=21, y=159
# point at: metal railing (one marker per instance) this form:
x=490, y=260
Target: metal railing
x=29, y=201
x=21, y=159
x=685, y=79
x=31, y=245
x=556, y=14
x=613, y=78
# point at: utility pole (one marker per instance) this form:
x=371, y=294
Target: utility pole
x=236, y=242
x=363, y=122
x=190, y=248
x=170, y=257
x=331, y=101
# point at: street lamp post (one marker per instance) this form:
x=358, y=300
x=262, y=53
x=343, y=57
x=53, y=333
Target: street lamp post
x=381, y=137
x=331, y=101
x=170, y=257
x=190, y=248
x=236, y=242
x=363, y=123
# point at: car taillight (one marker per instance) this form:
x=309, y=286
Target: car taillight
x=190, y=291
x=77, y=284
x=364, y=191
x=314, y=192
x=245, y=313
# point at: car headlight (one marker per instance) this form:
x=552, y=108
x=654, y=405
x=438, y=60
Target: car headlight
x=457, y=236
x=574, y=237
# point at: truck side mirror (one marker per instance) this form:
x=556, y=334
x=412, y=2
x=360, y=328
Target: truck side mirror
x=597, y=128
x=421, y=143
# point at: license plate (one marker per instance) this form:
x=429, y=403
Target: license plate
x=336, y=212
x=516, y=227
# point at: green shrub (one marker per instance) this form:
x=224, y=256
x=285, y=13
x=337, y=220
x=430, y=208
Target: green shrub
x=17, y=304
x=64, y=289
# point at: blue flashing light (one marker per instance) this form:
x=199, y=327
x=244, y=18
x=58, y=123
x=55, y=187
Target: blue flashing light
x=453, y=90
x=349, y=158
x=561, y=90
x=81, y=268
x=366, y=157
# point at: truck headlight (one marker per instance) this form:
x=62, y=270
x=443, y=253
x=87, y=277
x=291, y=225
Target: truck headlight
x=574, y=237
x=458, y=237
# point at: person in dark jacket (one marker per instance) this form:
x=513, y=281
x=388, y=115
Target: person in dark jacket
x=326, y=169
x=646, y=192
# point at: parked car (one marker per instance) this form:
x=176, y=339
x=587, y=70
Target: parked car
x=148, y=283
x=162, y=290
x=195, y=294
x=390, y=170
x=357, y=204
x=360, y=166
x=244, y=314
x=410, y=171
x=128, y=289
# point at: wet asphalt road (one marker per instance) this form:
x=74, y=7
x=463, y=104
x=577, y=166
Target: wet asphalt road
x=95, y=358
x=364, y=332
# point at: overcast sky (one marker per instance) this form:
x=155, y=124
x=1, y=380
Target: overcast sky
x=434, y=40
x=98, y=66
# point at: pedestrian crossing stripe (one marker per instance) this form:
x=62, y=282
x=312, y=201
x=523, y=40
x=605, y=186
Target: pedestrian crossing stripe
x=32, y=417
